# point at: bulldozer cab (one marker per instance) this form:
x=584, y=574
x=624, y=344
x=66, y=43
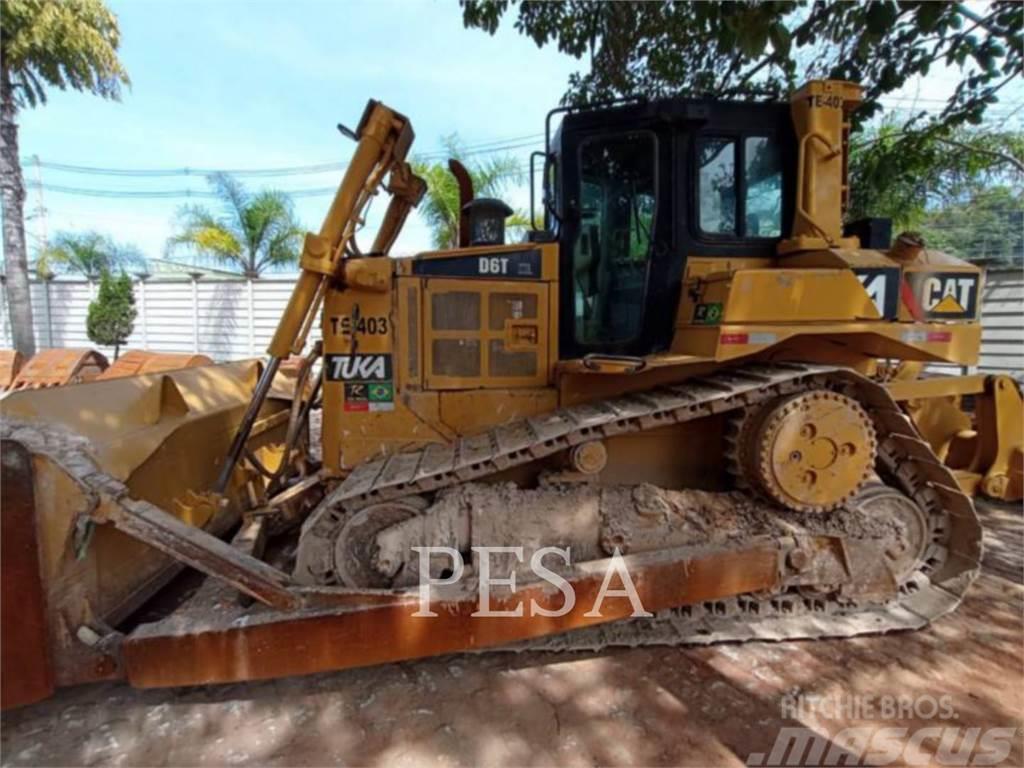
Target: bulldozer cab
x=634, y=190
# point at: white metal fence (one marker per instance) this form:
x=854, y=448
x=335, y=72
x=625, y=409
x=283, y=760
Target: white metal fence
x=231, y=319
x=224, y=319
x=1002, y=320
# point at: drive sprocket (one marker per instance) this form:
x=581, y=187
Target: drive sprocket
x=809, y=452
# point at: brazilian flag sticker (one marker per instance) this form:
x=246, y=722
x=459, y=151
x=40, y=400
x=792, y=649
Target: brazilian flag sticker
x=708, y=314
x=381, y=392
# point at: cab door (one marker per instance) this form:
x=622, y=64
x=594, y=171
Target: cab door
x=616, y=243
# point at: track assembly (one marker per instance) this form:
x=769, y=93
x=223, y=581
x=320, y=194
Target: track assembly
x=904, y=534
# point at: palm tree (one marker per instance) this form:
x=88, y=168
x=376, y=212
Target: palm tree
x=58, y=43
x=440, y=207
x=88, y=253
x=252, y=233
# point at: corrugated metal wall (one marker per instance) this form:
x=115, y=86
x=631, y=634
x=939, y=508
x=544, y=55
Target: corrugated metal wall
x=231, y=319
x=1002, y=320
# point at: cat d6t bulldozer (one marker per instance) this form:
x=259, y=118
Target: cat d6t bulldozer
x=692, y=377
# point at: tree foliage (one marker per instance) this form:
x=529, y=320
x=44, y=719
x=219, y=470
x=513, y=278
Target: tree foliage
x=252, y=232
x=61, y=44
x=111, y=315
x=743, y=48
x=440, y=207
x=962, y=190
x=44, y=44
x=986, y=224
x=903, y=175
x=919, y=171
x=87, y=253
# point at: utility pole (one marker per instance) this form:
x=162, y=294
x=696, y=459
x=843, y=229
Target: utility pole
x=40, y=211
x=40, y=208
x=38, y=216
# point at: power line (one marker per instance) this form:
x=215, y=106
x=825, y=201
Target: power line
x=200, y=172
x=488, y=147
x=924, y=99
x=159, y=194
x=996, y=114
x=491, y=147
x=200, y=194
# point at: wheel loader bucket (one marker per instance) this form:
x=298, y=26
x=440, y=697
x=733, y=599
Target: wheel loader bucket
x=136, y=362
x=58, y=367
x=158, y=438
x=10, y=364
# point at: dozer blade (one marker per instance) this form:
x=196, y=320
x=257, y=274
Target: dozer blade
x=816, y=576
x=157, y=438
x=26, y=666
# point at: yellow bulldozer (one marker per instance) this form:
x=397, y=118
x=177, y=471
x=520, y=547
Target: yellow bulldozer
x=692, y=377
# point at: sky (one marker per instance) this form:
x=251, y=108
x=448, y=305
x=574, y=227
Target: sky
x=262, y=85
x=233, y=85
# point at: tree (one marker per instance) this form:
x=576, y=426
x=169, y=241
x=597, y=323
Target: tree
x=88, y=253
x=748, y=49
x=111, y=316
x=44, y=43
x=960, y=189
x=440, y=207
x=986, y=225
x=730, y=49
x=252, y=233
x=903, y=175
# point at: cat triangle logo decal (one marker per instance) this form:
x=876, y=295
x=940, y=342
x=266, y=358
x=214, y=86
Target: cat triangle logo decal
x=948, y=305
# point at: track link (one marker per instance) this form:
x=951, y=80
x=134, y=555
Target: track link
x=950, y=563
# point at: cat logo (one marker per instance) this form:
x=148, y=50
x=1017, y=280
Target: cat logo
x=946, y=295
x=947, y=305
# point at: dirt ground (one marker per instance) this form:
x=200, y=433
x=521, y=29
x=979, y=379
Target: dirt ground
x=655, y=706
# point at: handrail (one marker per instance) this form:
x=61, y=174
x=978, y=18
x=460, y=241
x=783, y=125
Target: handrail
x=804, y=184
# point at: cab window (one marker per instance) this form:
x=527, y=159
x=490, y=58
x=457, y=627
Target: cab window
x=762, y=173
x=729, y=168
x=613, y=247
x=717, y=158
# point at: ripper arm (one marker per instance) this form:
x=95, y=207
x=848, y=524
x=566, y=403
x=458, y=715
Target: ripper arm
x=384, y=137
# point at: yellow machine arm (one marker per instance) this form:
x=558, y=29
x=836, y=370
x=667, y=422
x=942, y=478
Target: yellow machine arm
x=384, y=138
